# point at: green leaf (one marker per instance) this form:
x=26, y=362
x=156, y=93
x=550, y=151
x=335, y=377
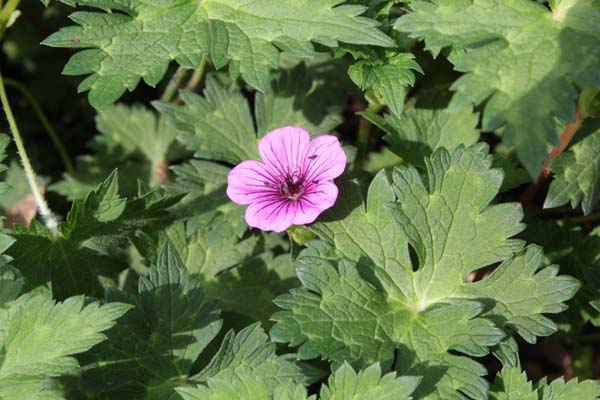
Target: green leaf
x=250, y=352
x=344, y=384
x=153, y=348
x=11, y=283
x=521, y=290
x=86, y=244
x=140, y=40
x=514, y=175
x=297, y=99
x=572, y=390
x=132, y=140
x=368, y=384
x=246, y=277
x=250, y=288
x=244, y=387
x=200, y=243
x=577, y=176
x=511, y=383
x=577, y=254
x=418, y=132
x=526, y=62
x=200, y=179
x=385, y=306
x=219, y=125
x=388, y=78
x=39, y=338
x=363, y=231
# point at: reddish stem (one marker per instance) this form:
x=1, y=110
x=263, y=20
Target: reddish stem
x=565, y=139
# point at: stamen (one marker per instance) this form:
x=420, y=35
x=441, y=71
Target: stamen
x=292, y=188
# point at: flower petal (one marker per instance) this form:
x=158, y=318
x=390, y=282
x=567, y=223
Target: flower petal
x=326, y=159
x=271, y=215
x=251, y=181
x=285, y=149
x=314, y=201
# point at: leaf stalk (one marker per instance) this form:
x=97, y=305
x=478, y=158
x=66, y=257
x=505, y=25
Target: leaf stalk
x=197, y=75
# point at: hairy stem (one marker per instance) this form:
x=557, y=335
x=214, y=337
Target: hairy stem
x=197, y=75
x=47, y=215
x=565, y=138
x=37, y=109
x=6, y=13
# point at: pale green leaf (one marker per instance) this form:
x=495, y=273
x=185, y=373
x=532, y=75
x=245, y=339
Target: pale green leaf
x=296, y=99
x=200, y=242
x=243, y=387
x=219, y=125
x=368, y=384
x=558, y=389
x=345, y=384
x=526, y=62
x=40, y=338
x=512, y=384
x=418, y=132
x=384, y=307
x=389, y=78
x=250, y=352
x=140, y=40
x=132, y=140
x=577, y=176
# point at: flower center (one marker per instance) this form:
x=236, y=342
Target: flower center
x=292, y=188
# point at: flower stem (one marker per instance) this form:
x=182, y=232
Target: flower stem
x=174, y=84
x=363, y=137
x=197, y=75
x=6, y=13
x=37, y=109
x=47, y=215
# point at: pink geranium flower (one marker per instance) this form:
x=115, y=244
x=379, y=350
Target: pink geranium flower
x=292, y=185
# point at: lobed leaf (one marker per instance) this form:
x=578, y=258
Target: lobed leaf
x=40, y=337
x=526, y=62
x=153, y=348
x=418, y=132
x=87, y=244
x=511, y=383
x=344, y=384
x=385, y=307
x=577, y=176
x=140, y=40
